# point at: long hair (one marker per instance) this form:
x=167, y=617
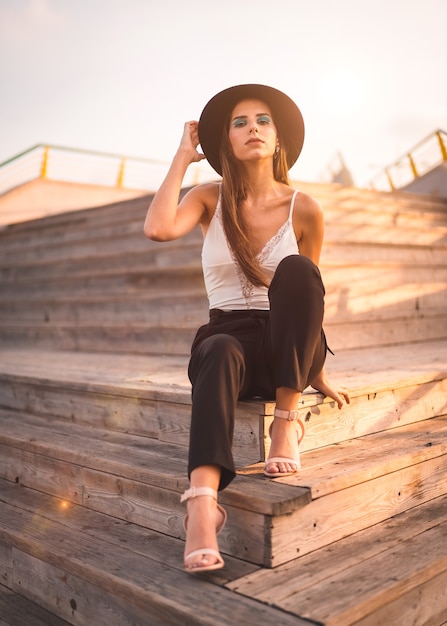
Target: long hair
x=234, y=192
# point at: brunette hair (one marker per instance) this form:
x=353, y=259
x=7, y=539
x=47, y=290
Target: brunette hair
x=233, y=193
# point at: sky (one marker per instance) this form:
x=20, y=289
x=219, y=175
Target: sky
x=123, y=76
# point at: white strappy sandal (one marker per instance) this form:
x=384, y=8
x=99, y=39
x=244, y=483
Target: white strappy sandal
x=291, y=416
x=195, y=492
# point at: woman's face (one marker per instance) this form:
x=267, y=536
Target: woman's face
x=252, y=132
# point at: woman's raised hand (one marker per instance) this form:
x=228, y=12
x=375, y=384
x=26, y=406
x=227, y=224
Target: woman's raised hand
x=190, y=141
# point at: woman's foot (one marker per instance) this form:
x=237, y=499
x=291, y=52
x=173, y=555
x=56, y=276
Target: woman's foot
x=284, y=456
x=204, y=520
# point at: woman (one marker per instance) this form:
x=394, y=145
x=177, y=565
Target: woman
x=262, y=243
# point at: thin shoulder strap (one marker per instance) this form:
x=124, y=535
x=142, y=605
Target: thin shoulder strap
x=292, y=204
x=219, y=200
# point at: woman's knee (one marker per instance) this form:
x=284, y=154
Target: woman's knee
x=297, y=272
x=296, y=263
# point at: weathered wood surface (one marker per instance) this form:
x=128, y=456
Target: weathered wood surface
x=78, y=256
x=413, y=300
x=106, y=443
x=133, y=253
x=151, y=544
x=139, y=480
x=97, y=580
x=381, y=575
x=16, y=610
x=151, y=396
x=132, y=479
x=360, y=460
x=146, y=376
x=177, y=340
x=344, y=512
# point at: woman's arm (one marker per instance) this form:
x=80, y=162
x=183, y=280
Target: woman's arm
x=309, y=227
x=166, y=219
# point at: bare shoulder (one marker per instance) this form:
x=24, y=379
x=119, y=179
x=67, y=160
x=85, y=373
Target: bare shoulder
x=308, y=226
x=207, y=194
x=307, y=209
x=204, y=196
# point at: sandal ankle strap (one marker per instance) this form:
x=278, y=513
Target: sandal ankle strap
x=291, y=416
x=193, y=492
x=286, y=415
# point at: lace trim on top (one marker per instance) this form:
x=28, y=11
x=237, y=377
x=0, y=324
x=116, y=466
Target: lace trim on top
x=247, y=287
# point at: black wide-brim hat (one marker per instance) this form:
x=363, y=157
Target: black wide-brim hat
x=286, y=116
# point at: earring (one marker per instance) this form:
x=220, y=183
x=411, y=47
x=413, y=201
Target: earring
x=277, y=150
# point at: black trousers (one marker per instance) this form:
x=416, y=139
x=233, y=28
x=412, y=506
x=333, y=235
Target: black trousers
x=242, y=354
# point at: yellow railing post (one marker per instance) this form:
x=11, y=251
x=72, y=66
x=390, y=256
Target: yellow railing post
x=390, y=180
x=44, y=168
x=412, y=165
x=120, y=179
x=442, y=145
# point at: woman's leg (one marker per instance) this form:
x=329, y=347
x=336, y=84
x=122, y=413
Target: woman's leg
x=217, y=372
x=203, y=519
x=299, y=348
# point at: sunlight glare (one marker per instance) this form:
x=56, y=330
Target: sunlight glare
x=342, y=91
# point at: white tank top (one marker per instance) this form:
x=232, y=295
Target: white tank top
x=226, y=285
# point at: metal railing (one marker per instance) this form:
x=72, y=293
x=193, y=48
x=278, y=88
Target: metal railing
x=422, y=158
x=90, y=167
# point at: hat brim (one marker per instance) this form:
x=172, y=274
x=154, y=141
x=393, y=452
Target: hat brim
x=286, y=115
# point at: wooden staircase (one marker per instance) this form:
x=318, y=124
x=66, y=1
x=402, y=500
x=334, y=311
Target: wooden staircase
x=95, y=328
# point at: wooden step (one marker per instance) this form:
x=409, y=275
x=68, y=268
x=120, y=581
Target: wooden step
x=119, y=226
x=370, y=578
x=93, y=569
x=95, y=260
x=153, y=338
x=138, y=479
x=341, y=270
x=111, y=282
x=162, y=307
x=151, y=395
x=394, y=573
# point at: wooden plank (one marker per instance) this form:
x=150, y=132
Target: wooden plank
x=359, y=580
x=149, y=506
x=378, y=582
x=427, y=605
x=176, y=340
x=340, y=514
x=50, y=475
x=134, y=308
x=296, y=577
x=136, y=538
x=81, y=406
x=160, y=510
x=361, y=460
x=389, y=252
x=361, y=369
x=377, y=332
x=5, y=564
x=248, y=447
x=371, y=413
x=16, y=610
x=75, y=600
x=40, y=260
x=166, y=595
x=122, y=456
